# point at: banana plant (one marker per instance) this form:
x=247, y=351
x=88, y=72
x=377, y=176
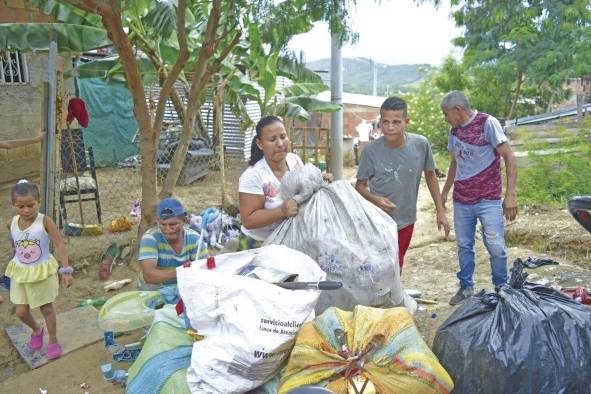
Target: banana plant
x=109, y=68
x=196, y=39
x=35, y=37
x=262, y=65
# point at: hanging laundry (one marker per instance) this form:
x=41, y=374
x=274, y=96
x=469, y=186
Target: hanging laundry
x=77, y=109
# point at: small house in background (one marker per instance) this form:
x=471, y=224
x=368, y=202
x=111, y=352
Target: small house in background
x=356, y=109
x=23, y=92
x=579, y=85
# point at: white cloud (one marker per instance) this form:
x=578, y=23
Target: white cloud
x=393, y=32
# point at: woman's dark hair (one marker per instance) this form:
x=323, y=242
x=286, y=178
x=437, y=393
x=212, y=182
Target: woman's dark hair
x=24, y=188
x=256, y=153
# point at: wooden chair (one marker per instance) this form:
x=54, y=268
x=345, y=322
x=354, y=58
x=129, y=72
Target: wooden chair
x=79, y=182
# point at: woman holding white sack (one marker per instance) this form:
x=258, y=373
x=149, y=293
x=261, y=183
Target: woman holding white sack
x=261, y=206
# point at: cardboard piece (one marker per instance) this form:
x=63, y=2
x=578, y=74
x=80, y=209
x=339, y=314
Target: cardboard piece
x=76, y=328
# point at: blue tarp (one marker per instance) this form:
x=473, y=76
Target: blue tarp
x=112, y=123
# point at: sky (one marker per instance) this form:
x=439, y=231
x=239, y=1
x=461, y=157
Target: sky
x=393, y=32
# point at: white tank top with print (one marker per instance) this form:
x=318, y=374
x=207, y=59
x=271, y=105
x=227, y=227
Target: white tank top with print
x=31, y=245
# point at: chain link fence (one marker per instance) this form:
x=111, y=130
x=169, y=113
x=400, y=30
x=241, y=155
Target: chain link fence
x=94, y=206
x=97, y=205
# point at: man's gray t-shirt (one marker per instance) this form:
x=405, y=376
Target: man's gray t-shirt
x=395, y=173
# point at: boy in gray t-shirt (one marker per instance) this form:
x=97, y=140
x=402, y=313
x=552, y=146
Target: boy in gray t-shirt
x=390, y=172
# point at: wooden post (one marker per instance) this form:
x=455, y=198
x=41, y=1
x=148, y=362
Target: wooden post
x=48, y=176
x=580, y=100
x=304, y=144
x=316, y=145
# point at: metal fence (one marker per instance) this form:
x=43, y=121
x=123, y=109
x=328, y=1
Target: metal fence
x=93, y=205
x=96, y=205
x=312, y=144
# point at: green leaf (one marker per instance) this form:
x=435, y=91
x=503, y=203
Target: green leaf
x=291, y=110
x=65, y=13
x=295, y=71
x=312, y=104
x=139, y=7
x=35, y=37
x=107, y=68
x=256, y=48
x=169, y=51
x=267, y=77
x=162, y=18
x=244, y=88
x=304, y=89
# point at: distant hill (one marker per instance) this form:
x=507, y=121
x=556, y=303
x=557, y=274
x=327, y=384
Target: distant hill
x=358, y=77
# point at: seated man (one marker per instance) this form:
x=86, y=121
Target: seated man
x=168, y=246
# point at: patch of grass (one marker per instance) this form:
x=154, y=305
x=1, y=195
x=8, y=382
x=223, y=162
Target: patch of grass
x=539, y=245
x=554, y=179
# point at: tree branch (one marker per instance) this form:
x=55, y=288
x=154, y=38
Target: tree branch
x=111, y=16
x=193, y=104
x=218, y=62
x=208, y=48
x=181, y=60
x=222, y=37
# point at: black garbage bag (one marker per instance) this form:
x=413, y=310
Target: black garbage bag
x=535, y=262
x=524, y=339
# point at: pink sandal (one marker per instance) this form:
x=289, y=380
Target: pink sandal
x=54, y=350
x=36, y=341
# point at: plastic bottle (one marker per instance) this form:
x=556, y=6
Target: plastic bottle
x=100, y=301
x=116, y=285
x=210, y=263
x=115, y=376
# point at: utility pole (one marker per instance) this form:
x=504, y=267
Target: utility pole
x=48, y=181
x=336, y=97
x=374, y=70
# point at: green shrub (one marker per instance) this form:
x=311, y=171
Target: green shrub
x=425, y=114
x=554, y=179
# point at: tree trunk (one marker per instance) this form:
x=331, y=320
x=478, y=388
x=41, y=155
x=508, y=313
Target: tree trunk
x=178, y=159
x=202, y=75
x=516, y=96
x=200, y=79
x=177, y=102
x=175, y=97
x=201, y=129
x=111, y=17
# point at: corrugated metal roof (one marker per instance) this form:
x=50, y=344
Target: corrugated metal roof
x=355, y=99
x=237, y=141
x=547, y=116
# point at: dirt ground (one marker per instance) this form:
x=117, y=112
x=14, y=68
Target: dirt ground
x=430, y=267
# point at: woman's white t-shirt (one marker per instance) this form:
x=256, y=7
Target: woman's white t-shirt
x=259, y=179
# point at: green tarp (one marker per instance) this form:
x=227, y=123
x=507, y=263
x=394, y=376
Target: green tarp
x=112, y=123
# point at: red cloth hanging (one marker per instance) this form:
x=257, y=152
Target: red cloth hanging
x=77, y=109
